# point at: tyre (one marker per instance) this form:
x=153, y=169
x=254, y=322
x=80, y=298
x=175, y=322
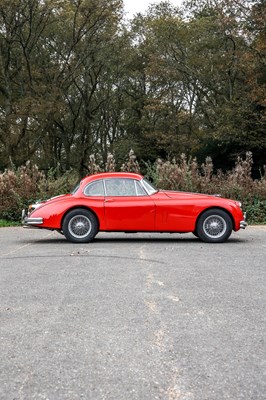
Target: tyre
x=214, y=226
x=80, y=226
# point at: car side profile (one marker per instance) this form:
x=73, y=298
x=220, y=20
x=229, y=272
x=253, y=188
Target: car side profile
x=127, y=202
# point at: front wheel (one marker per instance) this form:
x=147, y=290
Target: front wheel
x=214, y=226
x=80, y=226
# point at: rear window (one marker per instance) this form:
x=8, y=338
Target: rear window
x=94, y=189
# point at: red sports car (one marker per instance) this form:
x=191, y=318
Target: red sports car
x=129, y=203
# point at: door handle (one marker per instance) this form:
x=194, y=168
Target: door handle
x=109, y=200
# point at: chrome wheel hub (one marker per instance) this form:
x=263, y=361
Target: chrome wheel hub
x=214, y=226
x=79, y=226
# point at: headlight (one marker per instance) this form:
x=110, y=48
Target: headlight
x=33, y=207
x=239, y=204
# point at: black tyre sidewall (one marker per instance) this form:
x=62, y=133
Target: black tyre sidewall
x=93, y=221
x=208, y=213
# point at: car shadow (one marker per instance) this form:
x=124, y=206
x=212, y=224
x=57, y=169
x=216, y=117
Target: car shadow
x=126, y=239
x=166, y=240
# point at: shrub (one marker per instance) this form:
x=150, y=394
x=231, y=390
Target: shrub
x=17, y=187
x=256, y=211
x=26, y=184
x=131, y=164
x=186, y=175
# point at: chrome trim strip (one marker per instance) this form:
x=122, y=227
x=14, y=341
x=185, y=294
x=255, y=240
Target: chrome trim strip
x=143, y=187
x=33, y=221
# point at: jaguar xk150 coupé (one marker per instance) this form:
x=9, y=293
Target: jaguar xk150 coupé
x=127, y=202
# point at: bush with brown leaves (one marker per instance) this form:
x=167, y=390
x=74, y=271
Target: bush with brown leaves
x=26, y=184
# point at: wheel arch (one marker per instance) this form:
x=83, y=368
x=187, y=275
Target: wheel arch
x=79, y=207
x=216, y=208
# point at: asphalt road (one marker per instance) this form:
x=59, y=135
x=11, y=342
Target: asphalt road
x=145, y=316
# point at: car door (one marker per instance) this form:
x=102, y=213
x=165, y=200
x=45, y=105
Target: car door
x=127, y=206
x=94, y=199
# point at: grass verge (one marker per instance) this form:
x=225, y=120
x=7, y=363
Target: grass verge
x=4, y=223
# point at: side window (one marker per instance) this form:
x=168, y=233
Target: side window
x=94, y=189
x=139, y=189
x=120, y=187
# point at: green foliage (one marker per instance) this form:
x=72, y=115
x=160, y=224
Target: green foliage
x=256, y=211
x=55, y=183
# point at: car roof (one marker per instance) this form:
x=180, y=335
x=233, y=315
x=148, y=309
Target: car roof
x=106, y=175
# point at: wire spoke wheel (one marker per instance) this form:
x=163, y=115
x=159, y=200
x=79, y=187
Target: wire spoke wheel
x=79, y=226
x=214, y=226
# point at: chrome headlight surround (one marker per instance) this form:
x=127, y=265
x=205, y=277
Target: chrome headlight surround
x=33, y=207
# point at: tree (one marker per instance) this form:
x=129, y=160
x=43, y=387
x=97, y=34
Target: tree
x=56, y=59
x=75, y=80
x=22, y=25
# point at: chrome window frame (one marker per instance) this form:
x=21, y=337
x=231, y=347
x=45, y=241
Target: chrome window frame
x=129, y=179
x=143, y=180
x=90, y=183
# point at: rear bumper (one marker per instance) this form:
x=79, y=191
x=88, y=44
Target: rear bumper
x=28, y=221
x=33, y=221
x=243, y=224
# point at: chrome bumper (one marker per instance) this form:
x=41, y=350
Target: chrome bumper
x=28, y=221
x=33, y=221
x=243, y=224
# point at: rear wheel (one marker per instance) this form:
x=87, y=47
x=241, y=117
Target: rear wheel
x=80, y=226
x=214, y=226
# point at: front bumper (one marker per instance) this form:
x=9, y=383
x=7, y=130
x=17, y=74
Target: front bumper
x=29, y=221
x=243, y=224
